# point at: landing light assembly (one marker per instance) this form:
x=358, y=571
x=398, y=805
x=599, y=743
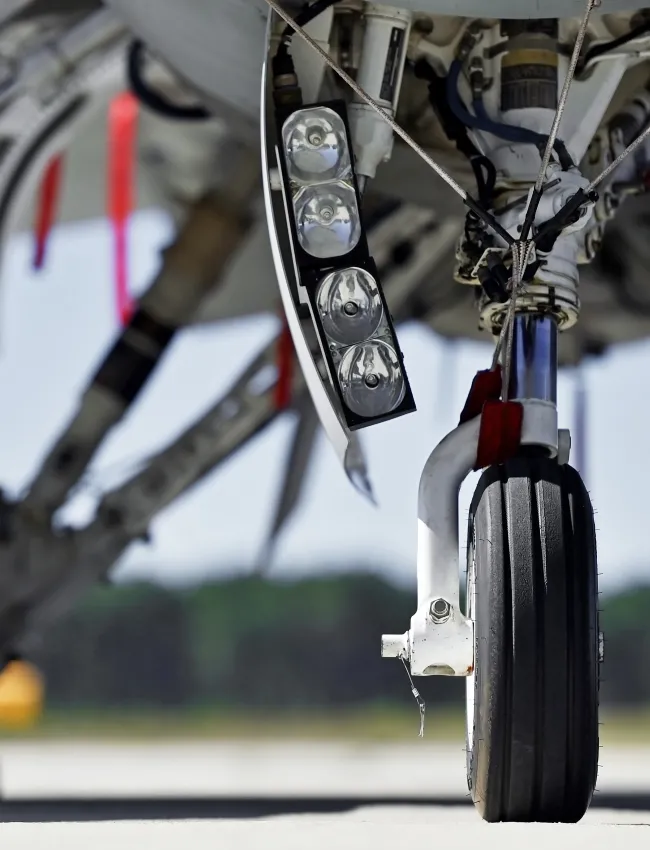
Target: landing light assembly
x=333, y=264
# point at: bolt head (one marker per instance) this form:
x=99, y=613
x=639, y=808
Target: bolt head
x=440, y=610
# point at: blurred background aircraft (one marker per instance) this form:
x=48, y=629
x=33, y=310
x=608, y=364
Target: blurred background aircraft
x=116, y=173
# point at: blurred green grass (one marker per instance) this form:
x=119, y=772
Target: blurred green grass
x=372, y=724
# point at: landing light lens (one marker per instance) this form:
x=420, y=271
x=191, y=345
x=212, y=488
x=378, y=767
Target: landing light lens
x=371, y=379
x=315, y=145
x=327, y=220
x=349, y=306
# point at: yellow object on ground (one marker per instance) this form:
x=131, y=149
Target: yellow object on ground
x=21, y=695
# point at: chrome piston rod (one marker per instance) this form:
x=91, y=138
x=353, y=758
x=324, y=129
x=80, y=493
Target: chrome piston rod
x=533, y=373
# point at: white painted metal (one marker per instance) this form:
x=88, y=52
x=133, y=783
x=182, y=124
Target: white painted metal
x=309, y=67
x=540, y=425
x=372, y=137
x=444, y=472
x=516, y=8
x=218, y=46
x=585, y=109
x=447, y=648
x=587, y=104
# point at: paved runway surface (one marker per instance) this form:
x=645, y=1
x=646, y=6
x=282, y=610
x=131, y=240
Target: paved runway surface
x=294, y=795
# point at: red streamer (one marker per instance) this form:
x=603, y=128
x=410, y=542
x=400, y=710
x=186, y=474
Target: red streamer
x=285, y=363
x=123, y=126
x=46, y=210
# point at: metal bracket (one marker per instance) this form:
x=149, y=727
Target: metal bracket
x=441, y=638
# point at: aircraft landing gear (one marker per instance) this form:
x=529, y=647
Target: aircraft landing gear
x=528, y=641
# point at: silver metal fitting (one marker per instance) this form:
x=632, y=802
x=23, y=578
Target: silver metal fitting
x=440, y=610
x=394, y=646
x=554, y=289
x=558, y=300
x=601, y=647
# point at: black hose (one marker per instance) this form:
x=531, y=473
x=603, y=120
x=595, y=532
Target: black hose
x=153, y=100
x=602, y=49
x=456, y=131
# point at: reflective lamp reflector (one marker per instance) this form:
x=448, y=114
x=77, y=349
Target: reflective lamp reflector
x=349, y=305
x=327, y=220
x=316, y=147
x=371, y=380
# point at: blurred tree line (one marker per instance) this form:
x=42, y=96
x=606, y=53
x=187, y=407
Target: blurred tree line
x=250, y=643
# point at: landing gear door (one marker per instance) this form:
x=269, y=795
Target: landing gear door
x=346, y=444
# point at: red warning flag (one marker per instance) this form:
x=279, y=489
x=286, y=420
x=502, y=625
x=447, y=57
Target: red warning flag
x=501, y=421
x=46, y=209
x=122, y=155
x=285, y=364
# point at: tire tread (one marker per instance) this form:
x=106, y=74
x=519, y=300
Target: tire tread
x=535, y=724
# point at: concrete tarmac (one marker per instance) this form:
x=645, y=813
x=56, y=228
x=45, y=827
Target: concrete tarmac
x=312, y=796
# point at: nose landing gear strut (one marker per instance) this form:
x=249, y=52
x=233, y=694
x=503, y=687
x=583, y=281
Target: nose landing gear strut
x=528, y=641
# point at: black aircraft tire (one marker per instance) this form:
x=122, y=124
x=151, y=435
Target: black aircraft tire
x=532, y=726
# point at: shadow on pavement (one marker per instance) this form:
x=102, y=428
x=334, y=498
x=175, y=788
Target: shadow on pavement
x=115, y=809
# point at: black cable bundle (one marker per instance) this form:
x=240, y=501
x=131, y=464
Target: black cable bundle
x=153, y=100
x=456, y=131
x=621, y=41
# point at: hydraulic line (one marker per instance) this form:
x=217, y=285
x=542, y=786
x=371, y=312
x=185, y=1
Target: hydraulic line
x=456, y=131
x=482, y=121
x=152, y=99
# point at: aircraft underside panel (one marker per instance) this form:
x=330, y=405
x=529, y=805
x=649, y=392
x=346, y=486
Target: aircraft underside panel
x=218, y=46
x=515, y=8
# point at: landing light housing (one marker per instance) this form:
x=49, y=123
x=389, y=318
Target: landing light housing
x=334, y=267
